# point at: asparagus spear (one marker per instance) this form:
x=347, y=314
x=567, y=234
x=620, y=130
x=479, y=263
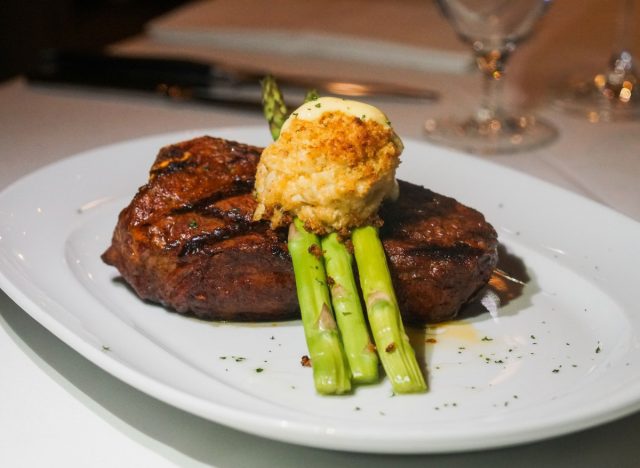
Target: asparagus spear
x=273, y=105
x=397, y=355
x=311, y=95
x=361, y=352
x=331, y=372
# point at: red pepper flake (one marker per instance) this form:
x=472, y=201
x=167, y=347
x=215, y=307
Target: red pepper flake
x=305, y=361
x=391, y=347
x=431, y=340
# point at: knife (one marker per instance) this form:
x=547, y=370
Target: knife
x=193, y=80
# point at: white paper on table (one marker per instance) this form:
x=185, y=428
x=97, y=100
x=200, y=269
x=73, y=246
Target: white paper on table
x=407, y=34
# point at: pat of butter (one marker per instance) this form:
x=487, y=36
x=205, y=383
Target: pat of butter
x=313, y=110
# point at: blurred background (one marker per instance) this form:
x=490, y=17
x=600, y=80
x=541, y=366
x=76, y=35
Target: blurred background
x=29, y=26
x=575, y=37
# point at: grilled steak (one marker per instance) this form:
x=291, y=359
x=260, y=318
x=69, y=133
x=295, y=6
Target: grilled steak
x=188, y=242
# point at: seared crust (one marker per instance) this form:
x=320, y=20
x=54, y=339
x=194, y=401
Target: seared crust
x=441, y=253
x=187, y=241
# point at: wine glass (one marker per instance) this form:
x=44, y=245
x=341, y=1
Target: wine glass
x=493, y=28
x=612, y=94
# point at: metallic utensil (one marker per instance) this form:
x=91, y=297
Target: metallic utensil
x=192, y=80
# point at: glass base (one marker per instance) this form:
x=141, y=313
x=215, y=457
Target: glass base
x=493, y=136
x=584, y=98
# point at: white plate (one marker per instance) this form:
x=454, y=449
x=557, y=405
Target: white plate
x=560, y=357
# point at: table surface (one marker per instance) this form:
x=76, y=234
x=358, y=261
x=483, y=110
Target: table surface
x=58, y=409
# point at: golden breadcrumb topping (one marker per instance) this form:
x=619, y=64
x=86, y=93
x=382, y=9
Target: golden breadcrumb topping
x=332, y=172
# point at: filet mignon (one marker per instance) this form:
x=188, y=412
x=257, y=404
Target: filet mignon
x=187, y=241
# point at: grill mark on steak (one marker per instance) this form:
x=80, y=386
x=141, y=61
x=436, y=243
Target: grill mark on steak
x=187, y=241
x=456, y=252
x=239, y=187
x=236, y=223
x=197, y=243
x=172, y=167
x=233, y=214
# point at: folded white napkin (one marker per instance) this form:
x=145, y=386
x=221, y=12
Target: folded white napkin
x=409, y=34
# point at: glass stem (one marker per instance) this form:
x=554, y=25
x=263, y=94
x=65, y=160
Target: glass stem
x=621, y=71
x=491, y=64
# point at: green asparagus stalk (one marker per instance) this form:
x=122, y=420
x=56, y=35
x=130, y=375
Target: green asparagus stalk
x=311, y=95
x=395, y=351
x=398, y=358
x=331, y=371
x=273, y=105
x=360, y=351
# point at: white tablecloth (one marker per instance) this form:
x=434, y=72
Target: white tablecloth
x=57, y=409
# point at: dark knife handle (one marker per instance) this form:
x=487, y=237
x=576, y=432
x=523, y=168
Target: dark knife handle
x=120, y=71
